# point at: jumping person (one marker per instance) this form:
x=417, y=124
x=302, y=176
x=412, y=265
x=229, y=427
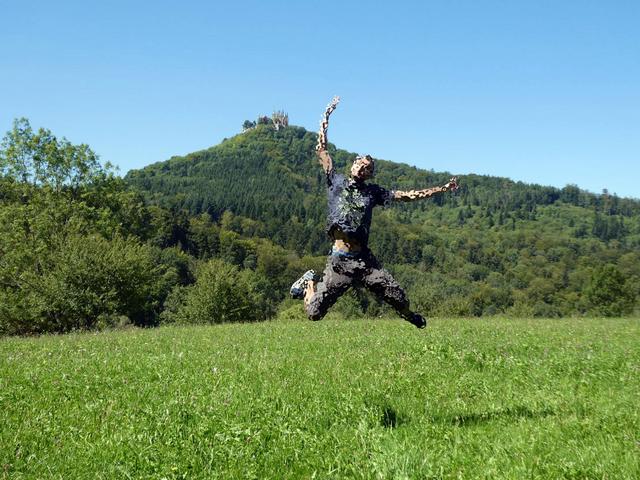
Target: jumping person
x=350, y=262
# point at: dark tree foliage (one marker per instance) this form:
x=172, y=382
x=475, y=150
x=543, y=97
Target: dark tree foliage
x=71, y=254
x=608, y=293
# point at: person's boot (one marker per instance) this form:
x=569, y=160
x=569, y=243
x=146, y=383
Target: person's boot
x=418, y=320
x=300, y=285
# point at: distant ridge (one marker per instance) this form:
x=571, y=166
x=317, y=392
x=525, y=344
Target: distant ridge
x=272, y=176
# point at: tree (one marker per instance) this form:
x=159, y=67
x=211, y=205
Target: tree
x=608, y=293
x=204, y=236
x=248, y=125
x=67, y=255
x=40, y=159
x=223, y=293
x=87, y=282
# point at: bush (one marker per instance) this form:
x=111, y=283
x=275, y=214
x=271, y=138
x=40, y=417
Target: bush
x=291, y=311
x=223, y=293
x=609, y=294
x=173, y=303
x=81, y=285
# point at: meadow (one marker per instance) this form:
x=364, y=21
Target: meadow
x=465, y=398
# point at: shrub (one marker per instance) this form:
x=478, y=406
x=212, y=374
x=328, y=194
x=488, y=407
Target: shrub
x=223, y=293
x=80, y=284
x=608, y=293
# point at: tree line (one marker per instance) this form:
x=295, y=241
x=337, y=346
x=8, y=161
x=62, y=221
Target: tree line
x=219, y=235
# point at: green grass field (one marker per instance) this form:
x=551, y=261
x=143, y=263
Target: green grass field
x=475, y=398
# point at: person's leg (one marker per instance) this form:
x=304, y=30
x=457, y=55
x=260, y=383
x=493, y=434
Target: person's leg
x=386, y=288
x=299, y=287
x=320, y=296
x=309, y=291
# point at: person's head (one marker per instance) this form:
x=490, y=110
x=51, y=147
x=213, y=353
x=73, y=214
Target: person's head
x=362, y=168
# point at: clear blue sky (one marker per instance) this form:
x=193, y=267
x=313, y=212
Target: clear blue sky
x=540, y=91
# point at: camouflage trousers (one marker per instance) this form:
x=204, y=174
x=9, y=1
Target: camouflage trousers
x=362, y=269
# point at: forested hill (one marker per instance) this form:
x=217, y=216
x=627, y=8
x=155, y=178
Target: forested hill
x=219, y=236
x=496, y=245
x=273, y=177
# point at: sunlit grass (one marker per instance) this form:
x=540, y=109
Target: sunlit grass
x=475, y=398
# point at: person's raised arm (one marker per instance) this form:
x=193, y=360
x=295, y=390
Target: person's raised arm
x=321, y=149
x=411, y=195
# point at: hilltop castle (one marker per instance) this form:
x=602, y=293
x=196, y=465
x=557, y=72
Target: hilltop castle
x=278, y=119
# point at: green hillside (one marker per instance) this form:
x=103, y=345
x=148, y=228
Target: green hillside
x=496, y=246
x=273, y=177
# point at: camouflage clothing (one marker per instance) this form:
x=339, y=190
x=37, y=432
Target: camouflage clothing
x=351, y=206
x=361, y=269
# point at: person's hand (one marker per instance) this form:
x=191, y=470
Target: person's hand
x=452, y=184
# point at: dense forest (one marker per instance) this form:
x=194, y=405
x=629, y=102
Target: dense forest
x=218, y=235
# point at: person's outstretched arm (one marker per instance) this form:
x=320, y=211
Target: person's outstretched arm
x=321, y=149
x=412, y=195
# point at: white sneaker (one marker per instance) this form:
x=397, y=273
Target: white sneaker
x=300, y=285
